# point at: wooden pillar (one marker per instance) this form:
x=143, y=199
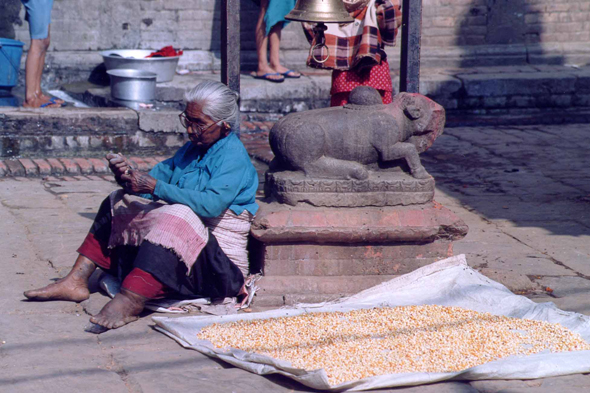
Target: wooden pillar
x=230, y=45
x=410, y=51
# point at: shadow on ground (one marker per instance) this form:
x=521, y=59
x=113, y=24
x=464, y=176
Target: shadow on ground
x=529, y=176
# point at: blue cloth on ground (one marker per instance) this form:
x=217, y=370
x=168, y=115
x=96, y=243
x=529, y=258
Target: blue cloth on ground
x=275, y=13
x=39, y=17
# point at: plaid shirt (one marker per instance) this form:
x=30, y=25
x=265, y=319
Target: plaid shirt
x=374, y=26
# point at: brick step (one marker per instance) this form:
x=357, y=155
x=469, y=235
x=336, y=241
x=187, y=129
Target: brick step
x=68, y=166
x=256, y=143
x=524, y=86
x=353, y=267
x=471, y=96
x=93, y=132
x=69, y=131
x=266, y=300
x=532, y=94
x=318, y=285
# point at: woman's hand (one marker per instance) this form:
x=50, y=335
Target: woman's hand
x=139, y=183
x=118, y=164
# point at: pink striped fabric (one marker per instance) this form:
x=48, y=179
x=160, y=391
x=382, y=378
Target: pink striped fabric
x=175, y=227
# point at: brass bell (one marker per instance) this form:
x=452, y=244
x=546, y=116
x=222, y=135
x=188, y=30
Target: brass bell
x=319, y=11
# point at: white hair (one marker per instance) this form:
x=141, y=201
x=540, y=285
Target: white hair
x=217, y=101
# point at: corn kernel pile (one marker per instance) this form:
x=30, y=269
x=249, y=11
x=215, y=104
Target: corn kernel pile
x=364, y=343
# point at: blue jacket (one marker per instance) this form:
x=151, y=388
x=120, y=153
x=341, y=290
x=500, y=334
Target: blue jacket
x=209, y=184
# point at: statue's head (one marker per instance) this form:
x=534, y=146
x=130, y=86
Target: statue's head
x=427, y=117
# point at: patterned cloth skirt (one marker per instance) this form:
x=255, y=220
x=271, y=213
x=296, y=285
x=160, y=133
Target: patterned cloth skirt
x=131, y=232
x=378, y=77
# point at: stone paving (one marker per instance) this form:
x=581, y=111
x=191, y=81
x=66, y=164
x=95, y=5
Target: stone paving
x=524, y=192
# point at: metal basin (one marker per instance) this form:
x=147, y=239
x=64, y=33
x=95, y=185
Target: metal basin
x=134, y=59
x=133, y=85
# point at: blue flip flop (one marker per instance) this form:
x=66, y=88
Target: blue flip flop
x=52, y=101
x=286, y=74
x=266, y=77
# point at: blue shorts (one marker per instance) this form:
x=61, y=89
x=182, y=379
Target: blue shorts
x=39, y=17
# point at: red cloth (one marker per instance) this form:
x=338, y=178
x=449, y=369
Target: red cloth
x=167, y=51
x=144, y=284
x=375, y=25
x=377, y=77
x=93, y=250
x=340, y=99
x=137, y=281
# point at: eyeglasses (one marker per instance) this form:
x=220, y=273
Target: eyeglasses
x=186, y=123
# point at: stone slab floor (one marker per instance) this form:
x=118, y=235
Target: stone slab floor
x=524, y=192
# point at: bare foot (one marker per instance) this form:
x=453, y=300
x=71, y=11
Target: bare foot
x=123, y=309
x=73, y=287
x=68, y=289
x=46, y=98
x=283, y=70
x=36, y=102
x=269, y=72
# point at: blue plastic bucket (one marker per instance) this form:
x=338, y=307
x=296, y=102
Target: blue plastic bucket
x=10, y=54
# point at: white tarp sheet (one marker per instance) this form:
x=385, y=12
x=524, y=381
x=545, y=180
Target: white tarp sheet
x=450, y=282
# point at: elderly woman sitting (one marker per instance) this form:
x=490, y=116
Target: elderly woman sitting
x=180, y=230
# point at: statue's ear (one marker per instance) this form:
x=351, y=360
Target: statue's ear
x=413, y=111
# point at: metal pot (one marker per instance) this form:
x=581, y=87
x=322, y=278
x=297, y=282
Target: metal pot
x=133, y=85
x=135, y=59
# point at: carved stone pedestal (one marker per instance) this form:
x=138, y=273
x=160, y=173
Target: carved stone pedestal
x=354, y=204
x=311, y=254
x=383, y=188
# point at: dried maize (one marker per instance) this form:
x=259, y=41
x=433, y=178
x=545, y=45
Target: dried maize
x=363, y=343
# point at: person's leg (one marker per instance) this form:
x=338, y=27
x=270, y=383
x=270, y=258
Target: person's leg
x=39, y=92
x=93, y=252
x=137, y=288
x=73, y=287
x=274, y=39
x=39, y=18
x=262, y=45
x=33, y=71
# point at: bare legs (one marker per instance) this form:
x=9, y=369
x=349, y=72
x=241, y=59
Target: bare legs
x=34, y=97
x=274, y=42
x=124, y=308
x=262, y=46
x=73, y=287
x=263, y=42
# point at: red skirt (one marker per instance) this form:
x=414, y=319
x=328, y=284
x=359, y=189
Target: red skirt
x=377, y=77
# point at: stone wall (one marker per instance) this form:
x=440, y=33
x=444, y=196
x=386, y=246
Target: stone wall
x=455, y=32
x=500, y=22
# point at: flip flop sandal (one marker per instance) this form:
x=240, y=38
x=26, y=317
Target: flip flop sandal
x=266, y=77
x=52, y=101
x=286, y=74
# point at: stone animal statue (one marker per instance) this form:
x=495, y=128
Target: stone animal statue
x=347, y=142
